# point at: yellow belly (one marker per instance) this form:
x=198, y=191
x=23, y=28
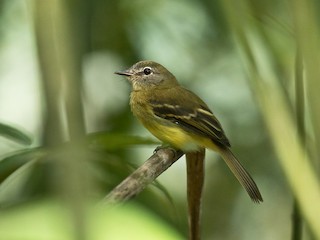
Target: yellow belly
x=165, y=130
x=174, y=136
x=179, y=138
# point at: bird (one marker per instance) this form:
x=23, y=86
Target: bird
x=179, y=118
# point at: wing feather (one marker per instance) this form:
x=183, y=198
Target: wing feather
x=197, y=120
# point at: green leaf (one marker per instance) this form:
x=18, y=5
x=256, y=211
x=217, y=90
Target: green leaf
x=14, y=134
x=15, y=171
x=111, y=141
x=11, y=163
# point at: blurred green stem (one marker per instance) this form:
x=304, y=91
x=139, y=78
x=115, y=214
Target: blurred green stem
x=60, y=64
x=296, y=233
x=50, y=70
x=308, y=57
x=277, y=114
x=308, y=38
x=300, y=121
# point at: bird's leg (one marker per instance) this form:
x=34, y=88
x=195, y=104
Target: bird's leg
x=165, y=145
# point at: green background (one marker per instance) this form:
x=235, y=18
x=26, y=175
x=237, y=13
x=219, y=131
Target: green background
x=68, y=136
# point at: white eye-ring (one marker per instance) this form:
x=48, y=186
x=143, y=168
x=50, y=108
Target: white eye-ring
x=147, y=70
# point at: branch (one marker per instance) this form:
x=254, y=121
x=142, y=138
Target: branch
x=160, y=161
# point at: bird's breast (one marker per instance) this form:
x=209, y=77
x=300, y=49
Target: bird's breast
x=164, y=130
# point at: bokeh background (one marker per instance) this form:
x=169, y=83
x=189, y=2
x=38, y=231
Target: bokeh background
x=68, y=136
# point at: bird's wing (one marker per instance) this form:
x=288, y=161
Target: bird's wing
x=191, y=114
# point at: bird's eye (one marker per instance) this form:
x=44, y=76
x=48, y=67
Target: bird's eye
x=147, y=70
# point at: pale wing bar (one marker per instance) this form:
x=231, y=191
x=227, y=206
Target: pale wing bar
x=200, y=121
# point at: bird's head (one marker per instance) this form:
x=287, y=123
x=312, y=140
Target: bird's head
x=149, y=74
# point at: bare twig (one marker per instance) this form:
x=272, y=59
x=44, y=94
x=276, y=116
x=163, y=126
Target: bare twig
x=160, y=161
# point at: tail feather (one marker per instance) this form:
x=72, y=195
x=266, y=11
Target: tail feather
x=241, y=174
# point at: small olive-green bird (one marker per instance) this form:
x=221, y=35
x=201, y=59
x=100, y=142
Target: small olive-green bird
x=178, y=117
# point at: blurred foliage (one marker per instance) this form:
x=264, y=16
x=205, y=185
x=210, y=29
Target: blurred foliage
x=14, y=134
x=140, y=223
x=255, y=61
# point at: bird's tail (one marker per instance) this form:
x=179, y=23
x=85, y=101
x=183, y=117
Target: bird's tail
x=241, y=174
